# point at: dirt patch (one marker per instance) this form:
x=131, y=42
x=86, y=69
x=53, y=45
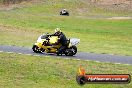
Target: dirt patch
x=10, y=7
x=19, y=5
x=111, y=2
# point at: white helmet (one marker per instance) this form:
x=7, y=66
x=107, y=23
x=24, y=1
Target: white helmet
x=64, y=9
x=57, y=30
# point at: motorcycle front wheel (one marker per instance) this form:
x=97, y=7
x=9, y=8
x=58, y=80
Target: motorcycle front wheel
x=36, y=49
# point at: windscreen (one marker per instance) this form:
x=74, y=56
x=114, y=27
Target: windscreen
x=74, y=41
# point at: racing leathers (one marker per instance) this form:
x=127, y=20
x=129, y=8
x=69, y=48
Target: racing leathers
x=63, y=41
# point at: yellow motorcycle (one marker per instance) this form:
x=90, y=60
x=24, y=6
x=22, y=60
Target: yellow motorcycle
x=49, y=44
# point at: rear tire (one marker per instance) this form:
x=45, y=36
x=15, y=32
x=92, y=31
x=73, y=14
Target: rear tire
x=68, y=52
x=72, y=51
x=36, y=49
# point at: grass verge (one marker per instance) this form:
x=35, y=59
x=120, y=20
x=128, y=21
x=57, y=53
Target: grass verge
x=24, y=71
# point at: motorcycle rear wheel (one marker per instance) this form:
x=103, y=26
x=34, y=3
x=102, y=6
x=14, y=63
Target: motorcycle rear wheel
x=71, y=51
x=74, y=49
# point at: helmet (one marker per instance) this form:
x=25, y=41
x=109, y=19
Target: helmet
x=57, y=31
x=64, y=9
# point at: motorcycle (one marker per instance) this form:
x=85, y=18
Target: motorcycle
x=49, y=44
x=64, y=12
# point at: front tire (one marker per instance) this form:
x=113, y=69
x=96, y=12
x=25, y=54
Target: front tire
x=36, y=49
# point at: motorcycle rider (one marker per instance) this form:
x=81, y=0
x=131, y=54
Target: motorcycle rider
x=62, y=40
x=64, y=12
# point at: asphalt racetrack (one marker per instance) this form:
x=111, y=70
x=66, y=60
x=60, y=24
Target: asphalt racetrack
x=79, y=56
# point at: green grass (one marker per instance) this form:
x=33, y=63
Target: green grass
x=22, y=71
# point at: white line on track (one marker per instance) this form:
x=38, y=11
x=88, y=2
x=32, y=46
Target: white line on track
x=29, y=54
x=97, y=61
x=87, y=60
x=1, y=51
x=9, y=52
x=47, y=56
x=127, y=64
x=117, y=63
x=66, y=58
x=77, y=59
x=36, y=55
